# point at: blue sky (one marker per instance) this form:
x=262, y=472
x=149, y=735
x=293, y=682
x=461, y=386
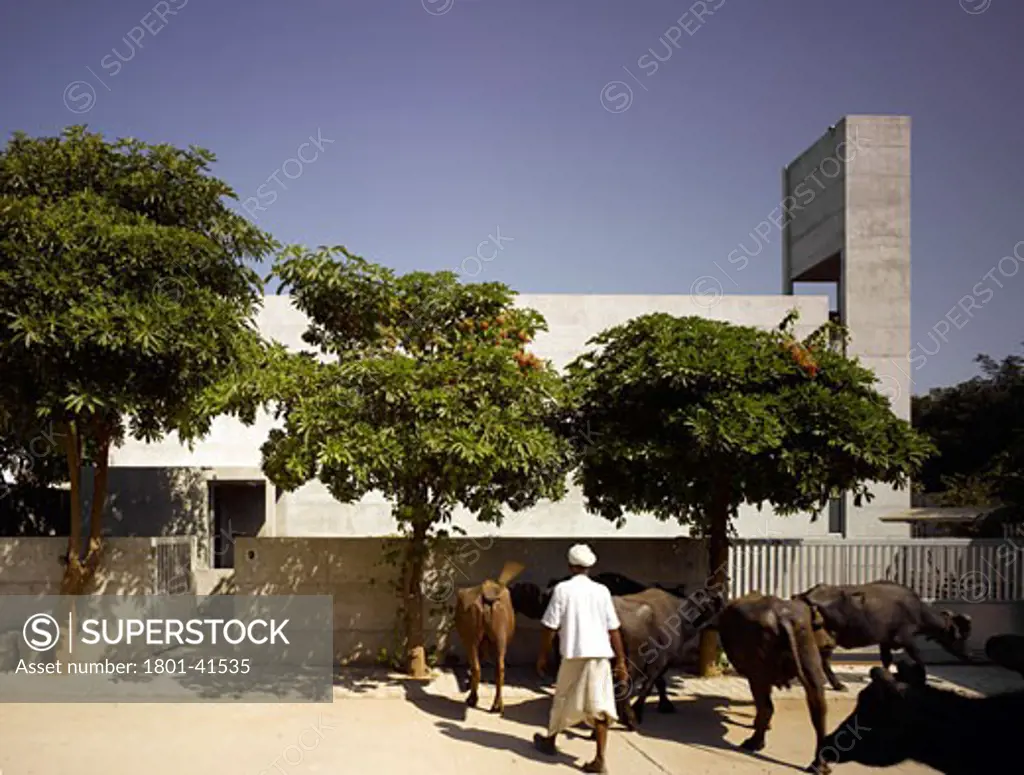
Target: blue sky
x=442, y=121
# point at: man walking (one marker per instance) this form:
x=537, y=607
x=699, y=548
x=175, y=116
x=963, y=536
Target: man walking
x=582, y=614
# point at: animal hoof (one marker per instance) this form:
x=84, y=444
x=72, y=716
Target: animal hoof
x=499, y=708
x=752, y=744
x=839, y=687
x=666, y=707
x=821, y=769
x=471, y=700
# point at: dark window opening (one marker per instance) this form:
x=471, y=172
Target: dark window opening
x=837, y=516
x=239, y=510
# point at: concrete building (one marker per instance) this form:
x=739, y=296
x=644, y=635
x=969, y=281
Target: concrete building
x=848, y=224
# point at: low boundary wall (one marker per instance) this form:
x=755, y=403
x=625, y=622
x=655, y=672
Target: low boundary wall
x=130, y=566
x=365, y=605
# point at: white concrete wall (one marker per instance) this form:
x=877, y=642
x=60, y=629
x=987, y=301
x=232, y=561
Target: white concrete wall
x=572, y=320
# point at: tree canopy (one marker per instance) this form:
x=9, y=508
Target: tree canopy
x=683, y=405
x=421, y=389
x=124, y=298
x=695, y=417
x=977, y=427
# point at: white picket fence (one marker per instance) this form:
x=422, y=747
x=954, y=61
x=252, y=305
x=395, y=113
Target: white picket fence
x=973, y=571
x=1015, y=530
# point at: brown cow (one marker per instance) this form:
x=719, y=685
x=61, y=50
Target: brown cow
x=771, y=641
x=485, y=619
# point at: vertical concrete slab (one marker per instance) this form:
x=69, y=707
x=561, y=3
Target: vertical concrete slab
x=876, y=282
x=850, y=223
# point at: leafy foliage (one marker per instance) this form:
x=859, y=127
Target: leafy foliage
x=693, y=412
x=420, y=389
x=978, y=429
x=121, y=279
x=123, y=290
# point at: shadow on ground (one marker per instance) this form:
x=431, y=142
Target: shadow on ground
x=438, y=705
x=361, y=680
x=697, y=721
x=990, y=679
x=491, y=739
x=704, y=722
x=449, y=711
x=515, y=677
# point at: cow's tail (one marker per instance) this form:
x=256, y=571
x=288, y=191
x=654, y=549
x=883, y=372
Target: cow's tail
x=491, y=591
x=790, y=634
x=509, y=572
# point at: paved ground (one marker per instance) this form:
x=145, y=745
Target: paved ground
x=377, y=726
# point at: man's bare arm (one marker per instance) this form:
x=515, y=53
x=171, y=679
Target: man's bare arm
x=546, y=641
x=620, y=652
x=545, y=648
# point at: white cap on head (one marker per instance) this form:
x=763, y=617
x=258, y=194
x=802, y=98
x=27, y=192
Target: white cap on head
x=582, y=556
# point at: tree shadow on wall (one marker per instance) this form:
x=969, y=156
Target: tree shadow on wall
x=157, y=502
x=142, y=503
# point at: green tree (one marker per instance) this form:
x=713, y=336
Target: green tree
x=422, y=391
x=125, y=299
x=978, y=428
x=690, y=418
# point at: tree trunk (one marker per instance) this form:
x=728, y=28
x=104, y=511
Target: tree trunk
x=416, y=653
x=81, y=570
x=718, y=565
x=71, y=580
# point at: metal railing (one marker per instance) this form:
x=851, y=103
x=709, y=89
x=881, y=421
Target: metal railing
x=967, y=570
x=174, y=563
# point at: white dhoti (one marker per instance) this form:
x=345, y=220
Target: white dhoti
x=584, y=693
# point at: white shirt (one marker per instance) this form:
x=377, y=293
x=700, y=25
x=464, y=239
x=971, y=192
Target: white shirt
x=582, y=612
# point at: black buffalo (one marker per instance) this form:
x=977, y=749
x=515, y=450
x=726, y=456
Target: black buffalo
x=622, y=585
x=900, y=717
x=888, y=615
x=529, y=600
x=772, y=642
x=656, y=626
x=1006, y=651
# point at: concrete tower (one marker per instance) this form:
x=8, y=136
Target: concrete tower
x=848, y=198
